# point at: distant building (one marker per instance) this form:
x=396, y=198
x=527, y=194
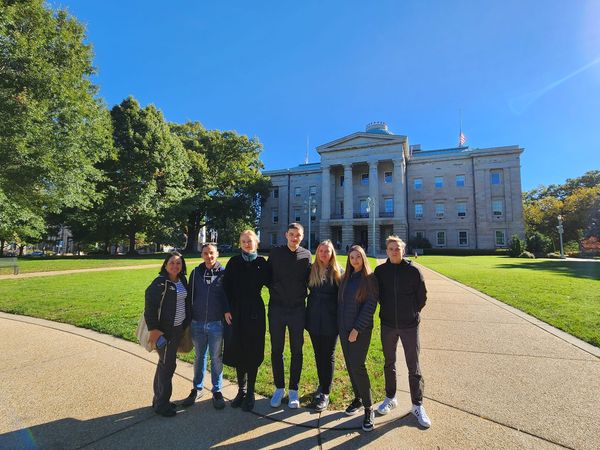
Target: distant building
x=456, y=198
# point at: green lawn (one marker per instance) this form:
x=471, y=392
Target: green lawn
x=565, y=294
x=50, y=264
x=111, y=302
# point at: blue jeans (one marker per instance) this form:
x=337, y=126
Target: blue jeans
x=208, y=338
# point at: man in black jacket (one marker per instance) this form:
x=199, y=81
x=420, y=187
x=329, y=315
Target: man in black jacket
x=402, y=296
x=290, y=266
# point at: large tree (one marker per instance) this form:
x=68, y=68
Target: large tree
x=148, y=176
x=53, y=128
x=226, y=181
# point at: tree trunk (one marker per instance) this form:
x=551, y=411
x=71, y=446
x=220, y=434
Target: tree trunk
x=21, y=248
x=193, y=228
x=132, y=244
x=1, y=247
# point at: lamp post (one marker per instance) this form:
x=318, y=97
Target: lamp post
x=310, y=207
x=560, y=229
x=371, y=211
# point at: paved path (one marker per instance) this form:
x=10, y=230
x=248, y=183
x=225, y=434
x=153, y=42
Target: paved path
x=51, y=273
x=495, y=378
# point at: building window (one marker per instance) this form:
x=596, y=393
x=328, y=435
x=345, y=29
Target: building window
x=463, y=238
x=273, y=239
x=497, y=208
x=420, y=234
x=439, y=182
x=461, y=209
x=388, y=205
x=418, y=183
x=500, y=238
x=312, y=191
x=275, y=215
x=496, y=176
x=418, y=210
x=276, y=192
x=387, y=177
x=460, y=180
x=440, y=237
x=297, y=217
x=364, y=179
x=364, y=205
x=439, y=210
x=297, y=191
x=341, y=180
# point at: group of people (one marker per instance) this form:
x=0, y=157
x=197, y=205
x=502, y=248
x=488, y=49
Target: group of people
x=226, y=313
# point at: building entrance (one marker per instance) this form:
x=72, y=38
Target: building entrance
x=361, y=236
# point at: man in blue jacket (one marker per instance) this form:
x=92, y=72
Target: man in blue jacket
x=402, y=296
x=209, y=308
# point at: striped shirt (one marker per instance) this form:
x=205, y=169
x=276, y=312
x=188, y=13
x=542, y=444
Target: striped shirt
x=180, y=309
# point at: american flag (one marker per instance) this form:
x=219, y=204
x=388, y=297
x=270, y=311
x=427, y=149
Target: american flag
x=461, y=139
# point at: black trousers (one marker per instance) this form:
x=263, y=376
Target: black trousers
x=163, y=377
x=293, y=320
x=246, y=378
x=411, y=345
x=355, y=355
x=324, y=346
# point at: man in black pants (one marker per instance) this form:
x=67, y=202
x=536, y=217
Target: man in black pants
x=402, y=295
x=290, y=265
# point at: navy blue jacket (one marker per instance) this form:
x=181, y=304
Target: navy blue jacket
x=321, y=310
x=352, y=314
x=209, y=301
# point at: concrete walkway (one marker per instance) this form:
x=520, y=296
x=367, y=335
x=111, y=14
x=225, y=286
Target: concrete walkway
x=495, y=378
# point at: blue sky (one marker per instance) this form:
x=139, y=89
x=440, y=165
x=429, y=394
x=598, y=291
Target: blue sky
x=523, y=72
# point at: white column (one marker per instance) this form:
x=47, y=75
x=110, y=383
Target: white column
x=325, y=193
x=374, y=189
x=348, y=195
x=399, y=190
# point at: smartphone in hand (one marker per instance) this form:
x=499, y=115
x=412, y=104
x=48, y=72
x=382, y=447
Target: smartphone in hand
x=161, y=341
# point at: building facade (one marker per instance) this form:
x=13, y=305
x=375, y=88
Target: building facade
x=371, y=184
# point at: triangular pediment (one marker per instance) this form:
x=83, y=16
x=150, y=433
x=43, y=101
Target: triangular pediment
x=360, y=140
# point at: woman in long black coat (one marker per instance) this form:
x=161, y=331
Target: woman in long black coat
x=245, y=276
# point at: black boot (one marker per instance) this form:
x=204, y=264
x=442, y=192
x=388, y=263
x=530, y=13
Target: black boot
x=368, y=420
x=239, y=398
x=248, y=402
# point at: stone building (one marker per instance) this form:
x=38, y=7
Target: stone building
x=371, y=184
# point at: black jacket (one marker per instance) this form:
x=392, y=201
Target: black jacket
x=402, y=294
x=321, y=310
x=290, y=272
x=163, y=289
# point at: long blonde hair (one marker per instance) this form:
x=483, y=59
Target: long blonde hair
x=367, y=282
x=332, y=272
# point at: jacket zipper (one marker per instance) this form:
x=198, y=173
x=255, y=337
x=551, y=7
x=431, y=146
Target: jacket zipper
x=396, y=295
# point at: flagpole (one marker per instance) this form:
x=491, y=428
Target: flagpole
x=459, y=125
x=306, y=157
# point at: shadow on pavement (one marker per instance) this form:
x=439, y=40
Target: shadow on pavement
x=578, y=269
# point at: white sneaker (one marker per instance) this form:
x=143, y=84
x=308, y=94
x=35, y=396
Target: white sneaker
x=277, y=397
x=421, y=415
x=294, y=401
x=387, y=405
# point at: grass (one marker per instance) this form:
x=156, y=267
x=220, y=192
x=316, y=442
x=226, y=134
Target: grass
x=51, y=264
x=111, y=302
x=565, y=294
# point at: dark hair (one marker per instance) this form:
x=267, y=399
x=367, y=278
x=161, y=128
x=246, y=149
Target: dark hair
x=367, y=282
x=163, y=268
x=296, y=226
x=209, y=244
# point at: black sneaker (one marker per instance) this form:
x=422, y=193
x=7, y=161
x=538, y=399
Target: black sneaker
x=322, y=402
x=190, y=399
x=367, y=424
x=237, y=401
x=248, y=402
x=354, y=407
x=218, y=401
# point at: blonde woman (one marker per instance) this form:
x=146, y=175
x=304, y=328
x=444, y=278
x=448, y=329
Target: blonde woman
x=357, y=300
x=245, y=276
x=321, y=317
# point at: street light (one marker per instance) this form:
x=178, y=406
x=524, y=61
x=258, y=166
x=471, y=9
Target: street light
x=371, y=211
x=310, y=207
x=561, y=229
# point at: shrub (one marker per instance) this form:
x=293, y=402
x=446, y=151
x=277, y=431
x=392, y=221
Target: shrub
x=419, y=242
x=516, y=246
x=527, y=254
x=539, y=244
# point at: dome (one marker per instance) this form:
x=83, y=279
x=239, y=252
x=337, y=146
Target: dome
x=378, y=128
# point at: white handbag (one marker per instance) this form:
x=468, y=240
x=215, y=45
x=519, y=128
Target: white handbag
x=142, y=332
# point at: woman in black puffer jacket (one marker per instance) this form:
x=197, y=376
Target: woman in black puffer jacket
x=321, y=317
